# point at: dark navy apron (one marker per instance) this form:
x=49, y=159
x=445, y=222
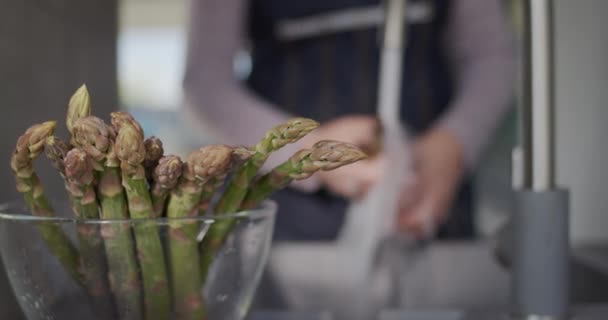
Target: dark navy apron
x=335, y=73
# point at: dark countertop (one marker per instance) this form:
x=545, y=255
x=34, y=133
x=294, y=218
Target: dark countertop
x=589, y=312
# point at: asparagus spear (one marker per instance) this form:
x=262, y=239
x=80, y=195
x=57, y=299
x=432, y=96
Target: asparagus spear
x=154, y=151
x=131, y=153
x=56, y=150
x=277, y=137
x=78, y=107
x=29, y=146
x=201, y=167
x=95, y=138
x=288, y=132
x=325, y=155
x=239, y=156
x=166, y=176
x=79, y=176
x=121, y=118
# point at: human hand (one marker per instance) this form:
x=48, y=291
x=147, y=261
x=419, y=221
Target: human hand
x=360, y=130
x=438, y=169
x=352, y=181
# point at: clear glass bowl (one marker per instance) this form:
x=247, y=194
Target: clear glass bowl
x=46, y=290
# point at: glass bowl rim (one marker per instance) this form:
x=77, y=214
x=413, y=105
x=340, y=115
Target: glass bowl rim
x=15, y=211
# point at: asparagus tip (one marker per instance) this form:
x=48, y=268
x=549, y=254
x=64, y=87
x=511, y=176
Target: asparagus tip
x=296, y=128
x=334, y=154
x=37, y=136
x=78, y=167
x=29, y=145
x=241, y=154
x=78, y=107
x=56, y=150
x=168, y=171
x=129, y=146
x=121, y=118
x=209, y=161
x=288, y=132
x=94, y=136
x=154, y=150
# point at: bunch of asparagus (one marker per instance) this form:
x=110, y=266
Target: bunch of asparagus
x=113, y=172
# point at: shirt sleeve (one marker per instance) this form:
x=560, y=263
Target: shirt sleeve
x=479, y=46
x=214, y=97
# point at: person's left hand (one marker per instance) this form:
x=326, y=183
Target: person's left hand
x=352, y=181
x=439, y=166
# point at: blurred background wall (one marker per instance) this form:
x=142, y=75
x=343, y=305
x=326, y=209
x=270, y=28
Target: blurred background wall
x=582, y=114
x=47, y=49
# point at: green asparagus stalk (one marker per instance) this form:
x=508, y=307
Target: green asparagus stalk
x=28, y=148
x=201, y=167
x=289, y=132
x=79, y=176
x=166, y=175
x=325, y=155
x=122, y=258
x=154, y=151
x=131, y=153
x=95, y=137
x=209, y=190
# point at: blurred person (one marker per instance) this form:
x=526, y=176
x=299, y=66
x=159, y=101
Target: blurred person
x=457, y=82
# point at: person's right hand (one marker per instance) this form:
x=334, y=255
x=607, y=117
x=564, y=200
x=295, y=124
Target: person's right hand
x=352, y=181
x=360, y=130
x=355, y=180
